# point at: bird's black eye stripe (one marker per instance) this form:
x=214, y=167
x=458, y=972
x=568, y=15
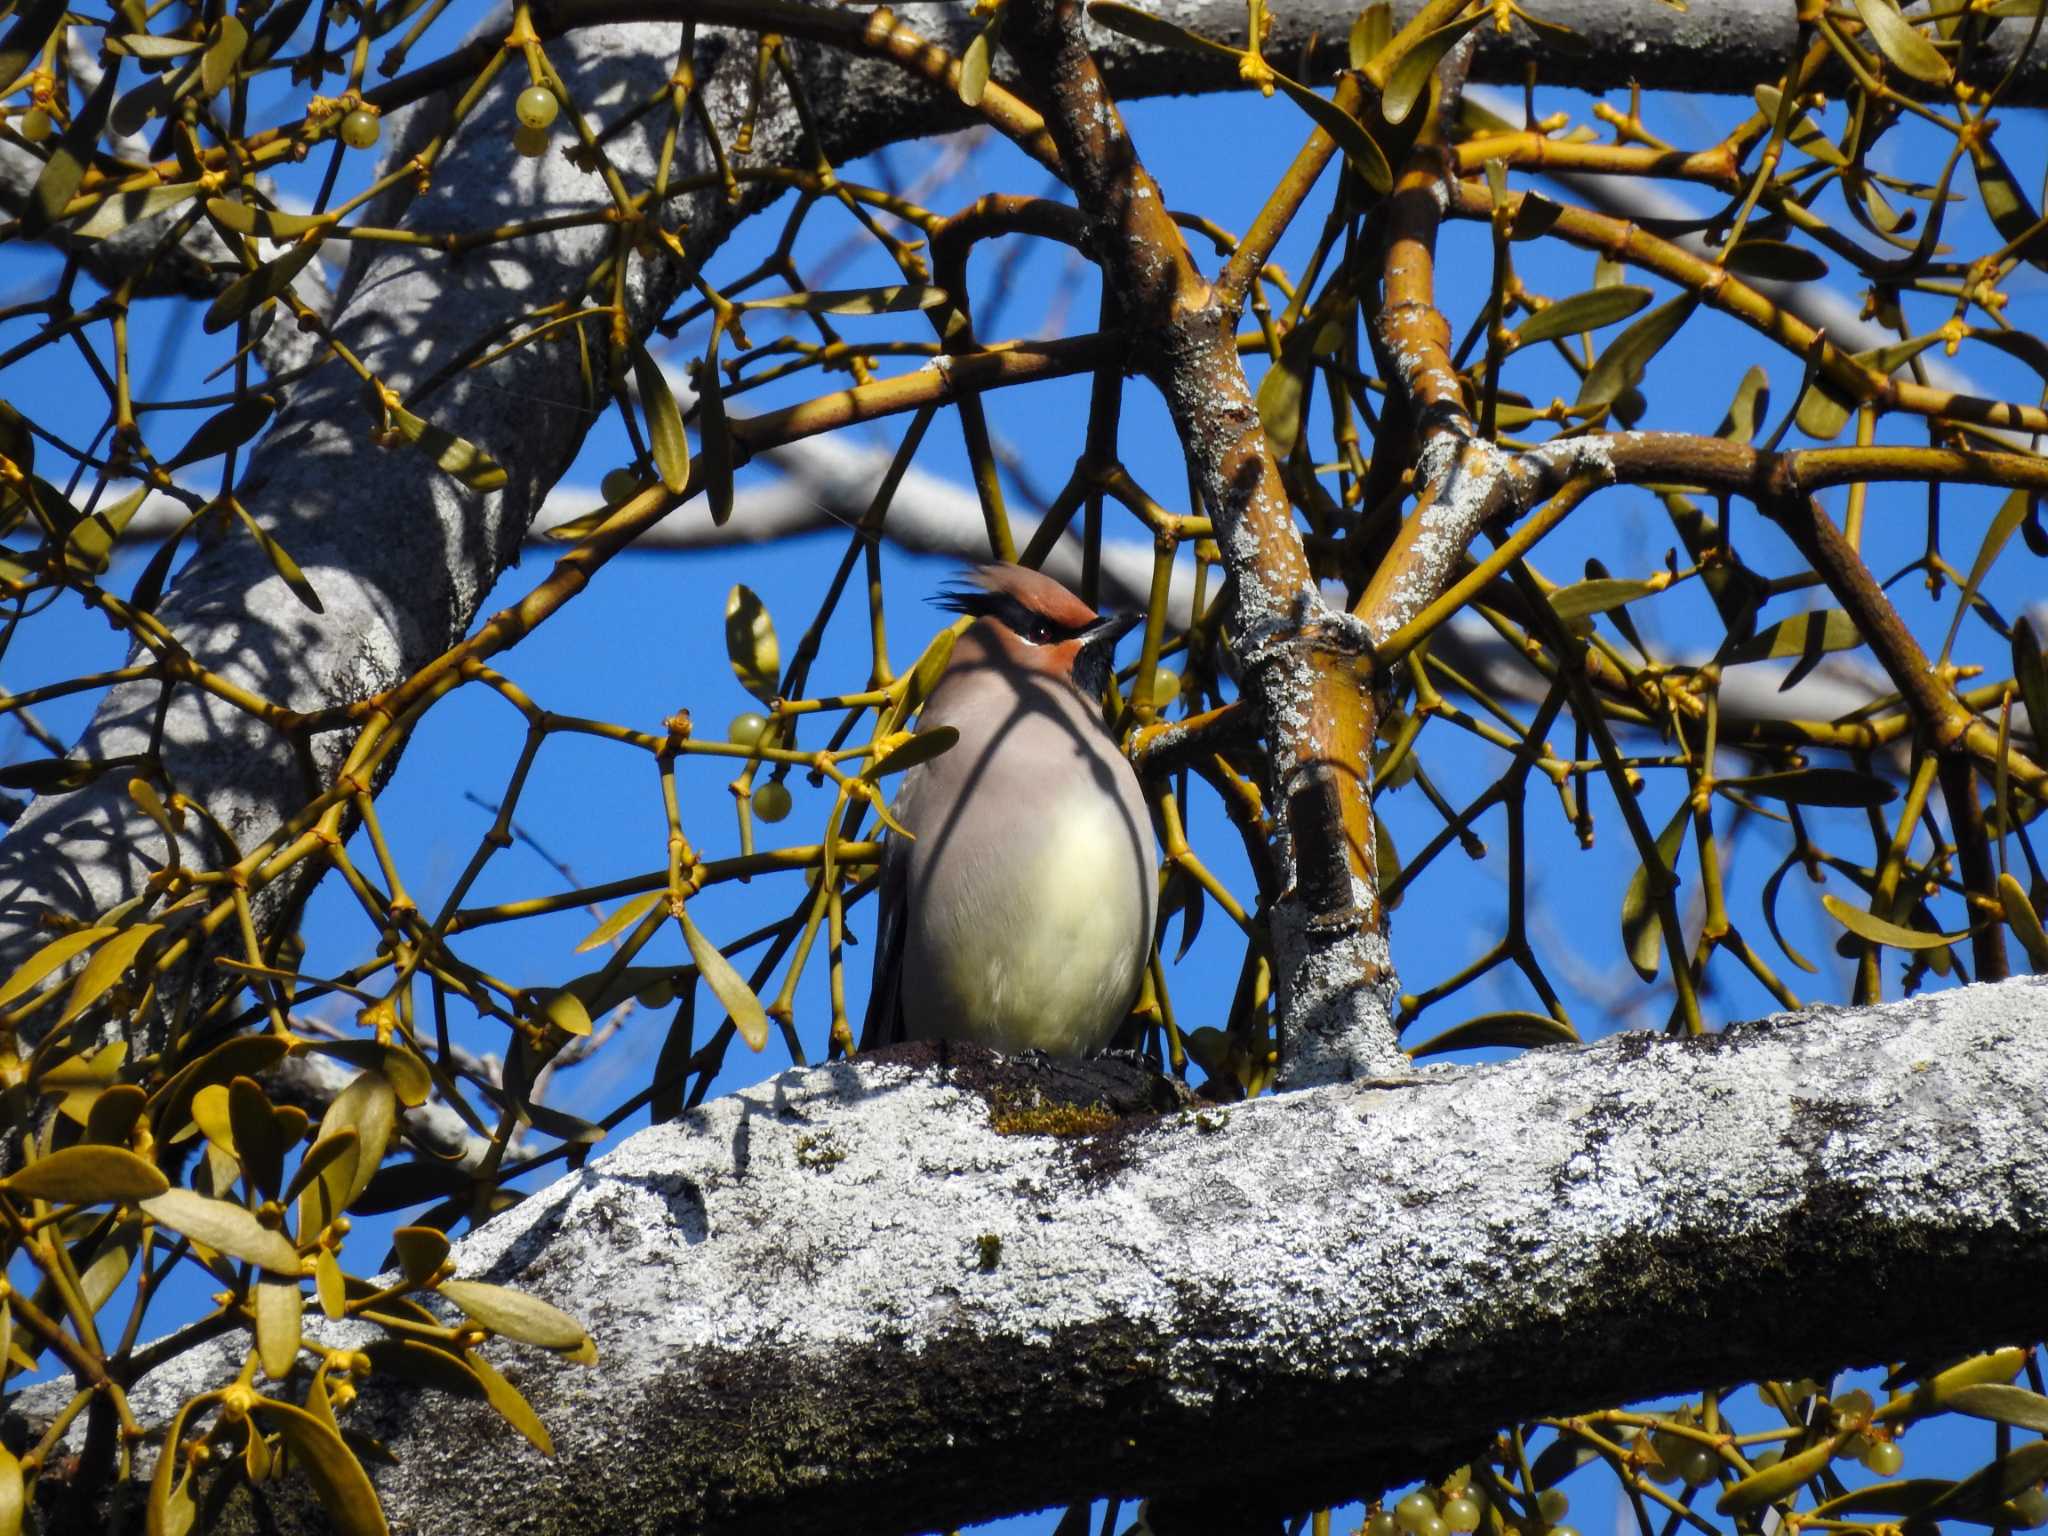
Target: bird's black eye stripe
x=1033, y=627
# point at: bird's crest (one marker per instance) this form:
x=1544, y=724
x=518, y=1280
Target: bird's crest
x=993, y=587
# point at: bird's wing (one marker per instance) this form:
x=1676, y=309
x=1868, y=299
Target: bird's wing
x=884, y=1023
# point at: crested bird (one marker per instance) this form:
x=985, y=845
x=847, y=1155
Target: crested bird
x=1020, y=912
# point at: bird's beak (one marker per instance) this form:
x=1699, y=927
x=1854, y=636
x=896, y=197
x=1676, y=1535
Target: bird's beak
x=1106, y=631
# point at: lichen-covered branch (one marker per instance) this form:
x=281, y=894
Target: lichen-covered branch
x=873, y=1285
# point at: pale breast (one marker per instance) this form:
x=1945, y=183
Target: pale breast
x=1031, y=887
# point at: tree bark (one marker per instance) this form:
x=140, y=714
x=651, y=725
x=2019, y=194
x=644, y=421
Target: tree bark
x=944, y=1286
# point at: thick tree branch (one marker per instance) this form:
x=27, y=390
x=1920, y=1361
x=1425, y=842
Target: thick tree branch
x=1748, y=41
x=868, y=1286
x=1712, y=45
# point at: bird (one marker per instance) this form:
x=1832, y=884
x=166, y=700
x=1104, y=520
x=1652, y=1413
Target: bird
x=1019, y=913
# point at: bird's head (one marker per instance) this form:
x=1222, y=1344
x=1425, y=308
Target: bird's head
x=1029, y=621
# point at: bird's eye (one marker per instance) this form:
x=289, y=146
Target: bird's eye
x=1037, y=631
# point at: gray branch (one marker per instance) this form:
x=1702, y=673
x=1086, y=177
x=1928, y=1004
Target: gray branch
x=1707, y=46
x=879, y=1287
x=401, y=555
